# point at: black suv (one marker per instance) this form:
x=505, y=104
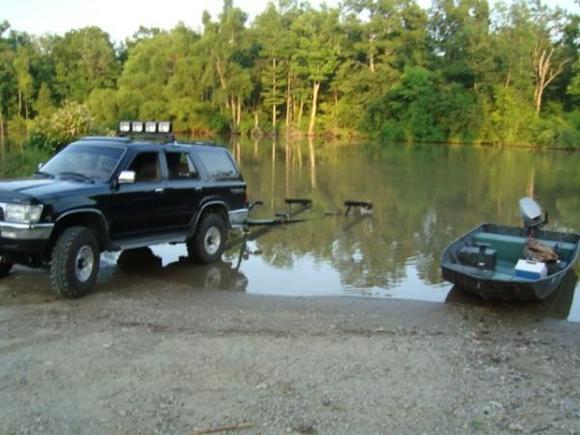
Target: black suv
x=117, y=193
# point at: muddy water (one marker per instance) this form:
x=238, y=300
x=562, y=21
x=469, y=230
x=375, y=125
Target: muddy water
x=424, y=197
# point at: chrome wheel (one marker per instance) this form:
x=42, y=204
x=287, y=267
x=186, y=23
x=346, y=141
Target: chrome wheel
x=212, y=240
x=84, y=263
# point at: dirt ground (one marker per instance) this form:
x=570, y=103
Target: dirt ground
x=147, y=354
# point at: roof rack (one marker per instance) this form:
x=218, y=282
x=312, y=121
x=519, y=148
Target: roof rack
x=199, y=142
x=108, y=138
x=162, y=139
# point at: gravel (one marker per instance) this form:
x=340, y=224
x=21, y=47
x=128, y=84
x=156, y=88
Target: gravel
x=147, y=355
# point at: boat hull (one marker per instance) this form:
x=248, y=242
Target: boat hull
x=500, y=284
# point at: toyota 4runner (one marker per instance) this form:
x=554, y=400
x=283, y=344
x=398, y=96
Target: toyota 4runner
x=117, y=193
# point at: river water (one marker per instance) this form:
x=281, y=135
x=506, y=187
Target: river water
x=424, y=196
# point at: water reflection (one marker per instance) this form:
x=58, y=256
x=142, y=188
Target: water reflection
x=169, y=263
x=424, y=196
x=557, y=306
x=217, y=276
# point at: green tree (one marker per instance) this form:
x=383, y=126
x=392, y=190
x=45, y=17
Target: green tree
x=7, y=82
x=316, y=57
x=44, y=104
x=408, y=112
x=84, y=60
x=272, y=31
x=21, y=64
x=226, y=43
x=145, y=74
x=104, y=109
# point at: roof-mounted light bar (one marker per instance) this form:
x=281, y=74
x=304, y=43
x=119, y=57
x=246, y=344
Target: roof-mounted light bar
x=164, y=127
x=151, y=127
x=137, y=127
x=124, y=127
x=140, y=127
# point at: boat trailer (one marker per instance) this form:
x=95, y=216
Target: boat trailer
x=294, y=208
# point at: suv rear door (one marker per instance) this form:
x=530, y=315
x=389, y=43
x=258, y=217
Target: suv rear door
x=183, y=188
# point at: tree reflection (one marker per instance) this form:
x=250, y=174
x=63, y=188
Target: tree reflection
x=424, y=196
x=312, y=155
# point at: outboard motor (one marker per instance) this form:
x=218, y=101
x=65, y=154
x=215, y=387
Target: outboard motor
x=532, y=215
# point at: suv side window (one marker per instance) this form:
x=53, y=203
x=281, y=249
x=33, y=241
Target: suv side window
x=146, y=167
x=180, y=166
x=218, y=163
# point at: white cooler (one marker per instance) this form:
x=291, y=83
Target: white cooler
x=528, y=269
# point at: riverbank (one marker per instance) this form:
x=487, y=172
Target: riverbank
x=150, y=356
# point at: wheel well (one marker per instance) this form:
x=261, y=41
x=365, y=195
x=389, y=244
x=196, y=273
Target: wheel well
x=218, y=209
x=90, y=220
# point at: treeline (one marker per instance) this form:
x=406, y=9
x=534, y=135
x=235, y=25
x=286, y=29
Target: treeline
x=461, y=71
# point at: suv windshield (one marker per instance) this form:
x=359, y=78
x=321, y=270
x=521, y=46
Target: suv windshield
x=83, y=162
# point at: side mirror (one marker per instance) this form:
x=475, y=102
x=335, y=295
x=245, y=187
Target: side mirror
x=40, y=165
x=126, y=177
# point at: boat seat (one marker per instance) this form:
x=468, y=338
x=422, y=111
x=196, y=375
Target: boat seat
x=510, y=248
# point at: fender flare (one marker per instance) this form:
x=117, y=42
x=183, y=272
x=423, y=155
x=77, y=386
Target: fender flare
x=199, y=213
x=104, y=238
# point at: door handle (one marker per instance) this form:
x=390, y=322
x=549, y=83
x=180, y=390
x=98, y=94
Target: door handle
x=159, y=190
x=198, y=188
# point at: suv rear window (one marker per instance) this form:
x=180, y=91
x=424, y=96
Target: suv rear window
x=180, y=166
x=218, y=163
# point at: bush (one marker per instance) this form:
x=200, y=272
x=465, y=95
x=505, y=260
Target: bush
x=557, y=129
x=512, y=119
x=63, y=126
x=569, y=135
x=22, y=164
x=102, y=104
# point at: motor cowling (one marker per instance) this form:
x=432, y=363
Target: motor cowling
x=532, y=214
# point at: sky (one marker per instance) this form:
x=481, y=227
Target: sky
x=122, y=18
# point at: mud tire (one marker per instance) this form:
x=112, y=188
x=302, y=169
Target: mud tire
x=65, y=265
x=204, y=247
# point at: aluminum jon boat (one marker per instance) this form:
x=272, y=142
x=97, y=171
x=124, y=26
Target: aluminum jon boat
x=496, y=261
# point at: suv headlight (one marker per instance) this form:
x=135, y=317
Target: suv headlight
x=22, y=213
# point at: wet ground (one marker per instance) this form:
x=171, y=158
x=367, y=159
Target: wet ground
x=243, y=270
x=159, y=349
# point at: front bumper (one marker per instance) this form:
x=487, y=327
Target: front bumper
x=24, y=243
x=14, y=231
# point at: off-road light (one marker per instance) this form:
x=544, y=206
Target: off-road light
x=137, y=127
x=164, y=127
x=124, y=126
x=151, y=127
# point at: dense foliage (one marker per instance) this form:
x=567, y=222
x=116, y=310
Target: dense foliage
x=460, y=72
